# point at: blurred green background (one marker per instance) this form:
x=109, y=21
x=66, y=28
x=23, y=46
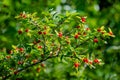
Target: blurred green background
x=99, y=13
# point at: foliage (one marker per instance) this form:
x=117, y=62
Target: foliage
x=54, y=35
x=98, y=13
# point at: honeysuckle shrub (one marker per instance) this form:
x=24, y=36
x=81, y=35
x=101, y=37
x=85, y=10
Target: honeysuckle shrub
x=66, y=37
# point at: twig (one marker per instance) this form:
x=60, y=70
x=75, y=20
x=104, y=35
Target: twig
x=30, y=66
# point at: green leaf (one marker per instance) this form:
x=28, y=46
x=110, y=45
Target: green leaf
x=46, y=19
x=52, y=25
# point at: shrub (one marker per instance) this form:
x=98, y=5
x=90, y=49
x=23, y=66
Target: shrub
x=66, y=36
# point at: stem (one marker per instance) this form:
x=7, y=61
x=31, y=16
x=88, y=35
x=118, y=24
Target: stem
x=30, y=66
x=40, y=61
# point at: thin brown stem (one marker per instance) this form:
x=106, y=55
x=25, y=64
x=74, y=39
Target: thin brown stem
x=20, y=70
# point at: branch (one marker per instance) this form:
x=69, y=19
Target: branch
x=30, y=66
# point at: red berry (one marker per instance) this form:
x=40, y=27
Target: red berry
x=19, y=32
x=27, y=30
x=76, y=64
x=85, y=60
x=96, y=61
x=39, y=47
x=39, y=32
x=10, y=52
x=44, y=33
x=34, y=42
x=79, y=33
x=8, y=57
x=38, y=41
x=16, y=72
x=77, y=26
x=102, y=32
x=21, y=14
x=60, y=34
x=90, y=62
x=95, y=40
x=76, y=36
x=21, y=49
x=20, y=62
x=84, y=33
x=24, y=16
x=38, y=69
x=83, y=19
x=27, y=55
x=99, y=30
x=87, y=29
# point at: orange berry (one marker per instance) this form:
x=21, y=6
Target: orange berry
x=39, y=47
x=8, y=57
x=38, y=69
x=87, y=29
x=110, y=33
x=43, y=65
x=35, y=61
